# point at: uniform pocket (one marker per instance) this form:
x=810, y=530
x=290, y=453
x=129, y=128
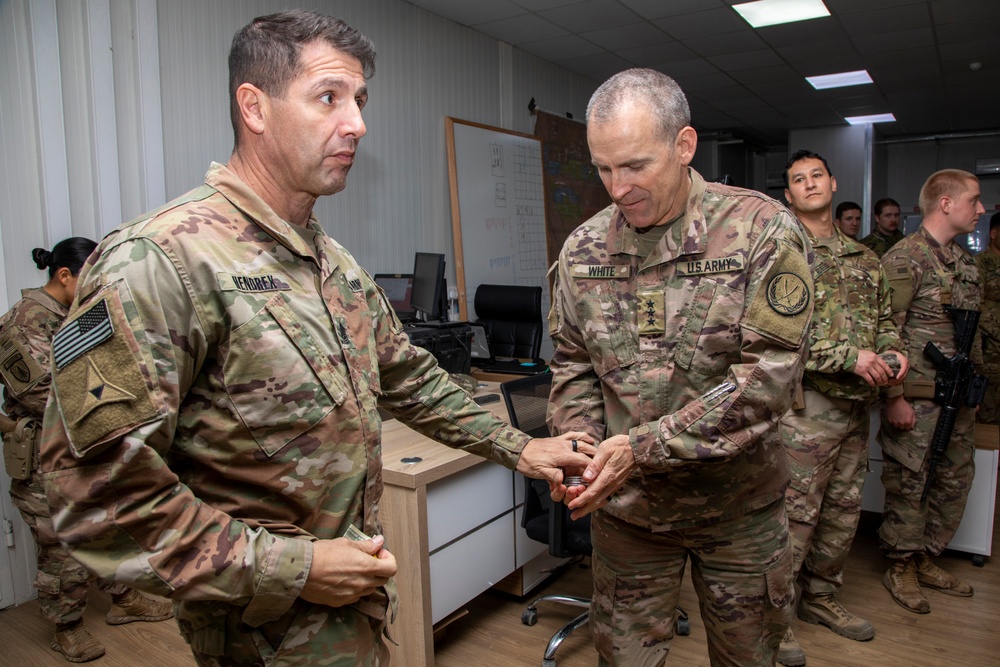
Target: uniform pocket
x=279, y=381
x=778, y=578
x=799, y=490
x=610, y=331
x=711, y=331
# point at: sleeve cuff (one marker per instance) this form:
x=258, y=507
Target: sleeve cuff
x=508, y=443
x=285, y=567
x=893, y=392
x=643, y=439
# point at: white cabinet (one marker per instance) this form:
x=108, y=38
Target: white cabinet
x=975, y=534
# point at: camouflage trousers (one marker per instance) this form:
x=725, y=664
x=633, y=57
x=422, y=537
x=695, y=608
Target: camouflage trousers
x=908, y=525
x=742, y=574
x=827, y=447
x=989, y=411
x=62, y=582
x=306, y=635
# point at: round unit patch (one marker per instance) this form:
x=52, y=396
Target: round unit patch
x=787, y=294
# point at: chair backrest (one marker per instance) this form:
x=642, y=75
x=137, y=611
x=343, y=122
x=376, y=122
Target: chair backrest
x=512, y=315
x=527, y=400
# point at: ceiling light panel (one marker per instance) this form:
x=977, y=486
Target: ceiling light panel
x=774, y=12
x=873, y=118
x=840, y=80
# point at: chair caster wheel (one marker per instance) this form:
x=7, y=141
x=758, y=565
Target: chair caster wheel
x=529, y=617
x=683, y=627
x=548, y=663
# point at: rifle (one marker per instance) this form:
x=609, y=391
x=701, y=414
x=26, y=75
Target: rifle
x=956, y=385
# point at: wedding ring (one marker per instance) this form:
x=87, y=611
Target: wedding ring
x=575, y=444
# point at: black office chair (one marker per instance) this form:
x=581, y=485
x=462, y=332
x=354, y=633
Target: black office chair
x=512, y=316
x=544, y=521
x=548, y=522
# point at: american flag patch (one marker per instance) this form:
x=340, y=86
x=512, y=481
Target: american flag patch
x=82, y=334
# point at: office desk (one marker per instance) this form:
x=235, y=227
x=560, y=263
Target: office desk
x=453, y=522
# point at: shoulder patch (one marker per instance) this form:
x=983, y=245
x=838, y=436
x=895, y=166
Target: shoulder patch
x=781, y=306
x=101, y=382
x=18, y=369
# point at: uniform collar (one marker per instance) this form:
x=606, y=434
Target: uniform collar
x=46, y=300
x=685, y=235
x=242, y=196
x=847, y=246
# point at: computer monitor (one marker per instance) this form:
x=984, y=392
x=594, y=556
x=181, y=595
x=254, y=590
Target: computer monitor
x=428, y=286
x=397, y=288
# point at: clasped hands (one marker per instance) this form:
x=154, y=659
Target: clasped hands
x=604, y=467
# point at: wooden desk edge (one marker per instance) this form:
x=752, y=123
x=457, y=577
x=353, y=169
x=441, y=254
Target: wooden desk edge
x=987, y=436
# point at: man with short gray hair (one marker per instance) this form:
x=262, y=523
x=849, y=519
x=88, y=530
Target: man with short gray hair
x=679, y=318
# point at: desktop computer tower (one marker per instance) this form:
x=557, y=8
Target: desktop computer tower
x=449, y=342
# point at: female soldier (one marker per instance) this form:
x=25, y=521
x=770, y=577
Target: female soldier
x=26, y=333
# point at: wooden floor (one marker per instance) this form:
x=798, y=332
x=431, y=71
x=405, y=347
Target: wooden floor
x=958, y=631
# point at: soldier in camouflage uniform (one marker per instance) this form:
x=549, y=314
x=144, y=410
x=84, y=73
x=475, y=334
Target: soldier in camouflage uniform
x=848, y=219
x=886, y=233
x=679, y=318
x=214, y=434
x=988, y=265
x=927, y=272
x=826, y=432
x=25, y=342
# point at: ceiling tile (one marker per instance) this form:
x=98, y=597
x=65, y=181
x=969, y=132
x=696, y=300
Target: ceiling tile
x=597, y=67
x=730, y=42
x=985, y=28
x=590, y=15
x=877, y=22
x=825, y=29
x=538, y=5
x=522, y=29
x=702, y=24
x=776, y=74
x=954, y=11
x=747, y=60
x=894, y=41
x=472, y=13
x=654, y=9
x=627, y=36
x=568, y=46
x=661, y=54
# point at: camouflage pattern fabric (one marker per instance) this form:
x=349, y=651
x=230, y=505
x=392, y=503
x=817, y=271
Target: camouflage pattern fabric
x=879, y=243
x=909, y=526
x=924, y=277
x=742, y=572
x=988, y=265
x=852, y=313
x=827, y=439
x=693, y=351
x=27, y=331
x=215, y=409
x=827, y=446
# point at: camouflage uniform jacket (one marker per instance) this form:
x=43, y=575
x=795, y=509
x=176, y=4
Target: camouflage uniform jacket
x=988, y=265
x=693, y=352
x=852, y=313
x=880, y=243
x=214, y=411
x=924, y=277
x=25, y=341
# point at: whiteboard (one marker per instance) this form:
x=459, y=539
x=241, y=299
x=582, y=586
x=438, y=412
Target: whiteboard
x=497, y=210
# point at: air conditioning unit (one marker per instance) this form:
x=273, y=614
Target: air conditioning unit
x=988, y=166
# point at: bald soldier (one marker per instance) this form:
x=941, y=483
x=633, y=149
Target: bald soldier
x=679, y=318
x=214, y=435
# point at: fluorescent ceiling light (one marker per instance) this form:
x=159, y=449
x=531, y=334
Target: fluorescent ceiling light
x=840, y=79
x=772, y=12
x=874, y=118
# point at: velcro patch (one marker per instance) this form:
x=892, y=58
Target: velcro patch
x=20, y=370
x=780, y=307
x=601, y=270
x=697, y=267
x=261, y=282
x=104, y=392
x=900, y=286
x=651, y=311
x=82, y=333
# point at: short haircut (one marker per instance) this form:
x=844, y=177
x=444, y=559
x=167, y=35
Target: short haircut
x=655, y=90
x=265, y=52
x=804, y=155
x=845, y=206
x=944, y=183
x=883, y=202
x=995, y=221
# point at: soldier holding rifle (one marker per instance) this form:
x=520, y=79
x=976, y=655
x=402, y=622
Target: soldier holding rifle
x=929, y=276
